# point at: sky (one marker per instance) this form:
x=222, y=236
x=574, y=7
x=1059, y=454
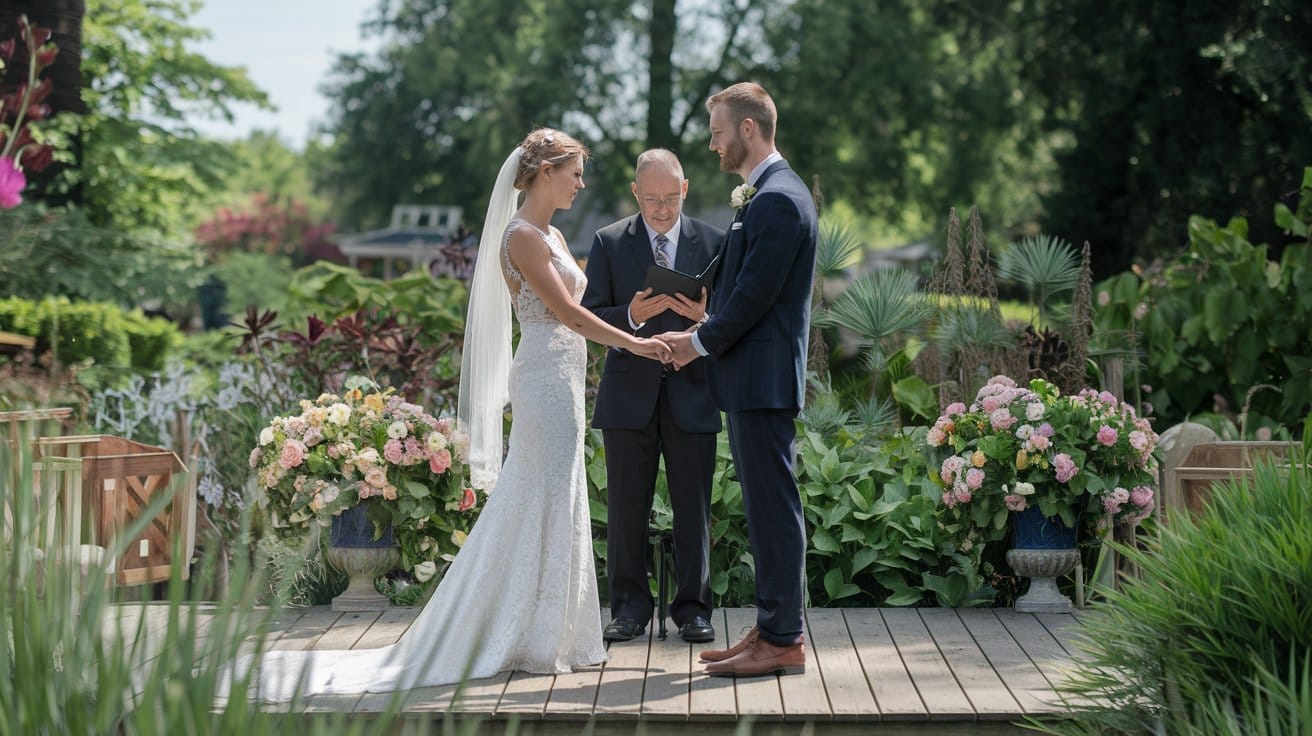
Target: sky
x=288, y=48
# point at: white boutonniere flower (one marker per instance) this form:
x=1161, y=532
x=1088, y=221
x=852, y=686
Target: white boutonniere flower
x=741, y=195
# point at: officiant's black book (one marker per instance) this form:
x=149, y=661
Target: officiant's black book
x=663, y=280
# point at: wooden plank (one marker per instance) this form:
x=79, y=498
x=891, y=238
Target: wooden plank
x=757, y=696
x=624, y=677
x=307, y=630
x=1043, y=650
x=388, y=627
x=347, y=630
x=1032, y=691
x=669, y=675
x=712, y=698
x=931, y=675
x=988, y=694
x=481, y=696
x=574, y=694
x=1065, y=628
x=526, y=695
x=804, y=695
x=885, y=672
x=832, y=654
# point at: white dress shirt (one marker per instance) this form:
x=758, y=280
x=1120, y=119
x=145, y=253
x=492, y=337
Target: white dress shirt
x=672, y=250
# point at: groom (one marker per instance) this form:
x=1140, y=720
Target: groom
x=756, y=339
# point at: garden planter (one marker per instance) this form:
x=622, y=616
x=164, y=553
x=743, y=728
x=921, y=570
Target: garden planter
x=353, y=550
x=1042, y=550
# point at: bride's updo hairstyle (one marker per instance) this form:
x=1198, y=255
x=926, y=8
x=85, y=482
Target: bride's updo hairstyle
x=546, y=147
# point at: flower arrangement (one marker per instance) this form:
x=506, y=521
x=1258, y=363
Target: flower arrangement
x=1084, y=455
x=406, y=466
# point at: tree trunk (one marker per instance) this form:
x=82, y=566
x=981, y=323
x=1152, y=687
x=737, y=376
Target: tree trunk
x=660, y=93
x=64, y=19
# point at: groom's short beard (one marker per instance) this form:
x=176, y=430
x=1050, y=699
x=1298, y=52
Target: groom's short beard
x=735, y=153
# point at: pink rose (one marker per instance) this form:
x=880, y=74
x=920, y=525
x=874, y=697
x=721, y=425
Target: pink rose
x=1001, y=418
x=1138, y=440
x=1107, y=398
x=293, y=454
x=1106, y=436
x=1014, y=502
x=1141, y=496
x=389, y=492
x=936, y=437
x=393, y=451
x=974, y=478
x=376, y=477
x=948, y=499
x=991, y=404
x=1040, y=442
x=954, y=409
x=1065, y=467
x=963, y=495
x=1113, y=501
x=468, y=500
x=439, y=461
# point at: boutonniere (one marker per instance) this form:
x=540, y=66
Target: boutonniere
x=741, y=195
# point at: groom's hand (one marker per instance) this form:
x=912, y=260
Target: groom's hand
x=646, y=305
x=681, y=347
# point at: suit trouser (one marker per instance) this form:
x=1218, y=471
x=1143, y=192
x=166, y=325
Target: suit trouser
x=762, y=444
x=632, y=461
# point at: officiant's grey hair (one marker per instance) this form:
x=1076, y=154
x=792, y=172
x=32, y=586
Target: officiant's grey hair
x=659, y=158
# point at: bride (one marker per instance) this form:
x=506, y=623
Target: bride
x=522, y=592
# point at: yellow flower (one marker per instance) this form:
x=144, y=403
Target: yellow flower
x=1022, y=460
x=458, y=538
x=375, y=402
x=353, y=395
x=977, y=459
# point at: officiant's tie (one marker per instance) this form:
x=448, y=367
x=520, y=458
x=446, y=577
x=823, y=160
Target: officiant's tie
x=662, y=251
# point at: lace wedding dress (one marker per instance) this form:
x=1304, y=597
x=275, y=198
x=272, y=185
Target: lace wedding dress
x=522, y=592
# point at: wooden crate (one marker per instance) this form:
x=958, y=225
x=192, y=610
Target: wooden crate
x=120, y=479
x=1189, y=485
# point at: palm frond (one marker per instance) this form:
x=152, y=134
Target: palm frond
x=1044, y=264
x=969, y=327
x=876, y=415
x=836, y=249
x=878, y=305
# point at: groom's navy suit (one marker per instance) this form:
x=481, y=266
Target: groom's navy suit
x=644, y=411
x=757, y=342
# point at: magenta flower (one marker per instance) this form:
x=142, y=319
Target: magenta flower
x=12, y=182
x=1141, y=496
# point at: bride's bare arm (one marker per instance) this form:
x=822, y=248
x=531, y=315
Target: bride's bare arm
x=533, y=259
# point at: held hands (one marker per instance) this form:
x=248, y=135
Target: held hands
x=650, y=347
x=681, y=349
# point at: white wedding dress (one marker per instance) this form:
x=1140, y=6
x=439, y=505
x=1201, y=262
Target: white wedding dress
x=522, y=592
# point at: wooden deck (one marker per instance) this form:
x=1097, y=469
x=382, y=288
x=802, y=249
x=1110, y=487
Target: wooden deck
x=929, y=666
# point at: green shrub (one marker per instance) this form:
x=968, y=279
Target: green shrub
x=97, y=332
x=1221, y=614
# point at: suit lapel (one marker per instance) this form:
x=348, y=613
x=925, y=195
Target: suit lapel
x=639, y=245
x=690, y=256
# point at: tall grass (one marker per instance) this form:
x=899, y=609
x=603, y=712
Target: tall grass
x=1215, y=637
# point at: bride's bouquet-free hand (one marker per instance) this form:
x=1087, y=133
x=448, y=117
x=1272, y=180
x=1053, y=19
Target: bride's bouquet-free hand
x=407, y=467
x=1084, y=455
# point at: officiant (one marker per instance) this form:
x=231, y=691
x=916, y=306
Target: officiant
x=647, y=411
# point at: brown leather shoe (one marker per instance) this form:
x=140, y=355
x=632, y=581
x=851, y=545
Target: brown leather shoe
x=762, y=658
x=719, y=655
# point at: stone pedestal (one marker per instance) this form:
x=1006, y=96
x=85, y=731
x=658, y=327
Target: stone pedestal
x=1043, y=567
x=362, y=565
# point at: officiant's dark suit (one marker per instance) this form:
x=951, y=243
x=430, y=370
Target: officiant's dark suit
x=646, y=411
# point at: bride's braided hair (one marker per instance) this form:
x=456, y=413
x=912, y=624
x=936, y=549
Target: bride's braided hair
x=546, y=147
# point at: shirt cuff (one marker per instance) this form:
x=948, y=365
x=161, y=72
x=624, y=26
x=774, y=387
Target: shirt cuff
x=635, y=325
x=697, y=345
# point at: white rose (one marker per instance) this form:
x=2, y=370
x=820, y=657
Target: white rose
x=1023, y=489
x=741, y=194
x=397, y=430
x=1034, y=411
x=339, y=414
x=436, y=441
x=266, y=436
x=425, y=571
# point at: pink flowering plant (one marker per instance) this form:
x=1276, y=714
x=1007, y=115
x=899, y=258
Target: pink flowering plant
x=1085, y=456
x=25, y=105
x=373, y=448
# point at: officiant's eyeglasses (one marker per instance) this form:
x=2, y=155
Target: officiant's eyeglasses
x=654, y=202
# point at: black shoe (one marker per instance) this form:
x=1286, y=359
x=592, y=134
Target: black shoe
x=622, y=629
x=697, y=631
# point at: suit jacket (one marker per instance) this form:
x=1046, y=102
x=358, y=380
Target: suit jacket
x=761, y=308
x=617, y=267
